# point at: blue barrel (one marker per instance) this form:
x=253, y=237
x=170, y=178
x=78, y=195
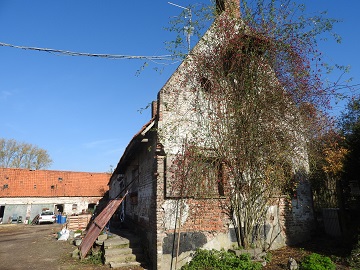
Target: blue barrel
x=63, y=219
x=58, y=219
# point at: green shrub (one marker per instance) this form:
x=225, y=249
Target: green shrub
x=316, y=261
x=222, y=260
x=268, y=257
x=354, y=259
x=96, y=257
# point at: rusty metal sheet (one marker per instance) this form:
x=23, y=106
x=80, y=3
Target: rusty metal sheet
x=97, y=225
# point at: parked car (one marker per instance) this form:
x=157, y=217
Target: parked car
x=46, y=217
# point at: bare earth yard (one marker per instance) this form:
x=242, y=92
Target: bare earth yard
x=35, y=247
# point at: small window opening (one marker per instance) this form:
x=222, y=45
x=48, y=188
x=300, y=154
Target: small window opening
x=253, y=46
x=34, y=186
x=205, y=84
x=52, y=187
x=60, y=179
x=6, y=186
x=134, y=198
x=229, y=62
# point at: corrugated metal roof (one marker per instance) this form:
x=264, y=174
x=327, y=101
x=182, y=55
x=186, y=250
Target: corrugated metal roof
x=98, y=224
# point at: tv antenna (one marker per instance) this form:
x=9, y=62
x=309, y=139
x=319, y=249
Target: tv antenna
x=188, y=30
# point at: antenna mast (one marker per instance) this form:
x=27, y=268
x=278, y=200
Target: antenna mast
x=188, y=30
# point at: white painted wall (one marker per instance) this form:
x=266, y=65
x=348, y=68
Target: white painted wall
x=22, y=206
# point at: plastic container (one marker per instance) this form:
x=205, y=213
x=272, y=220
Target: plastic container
x=63, y=219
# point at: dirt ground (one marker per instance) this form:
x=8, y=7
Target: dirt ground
x=35, y=247
x=337, y=250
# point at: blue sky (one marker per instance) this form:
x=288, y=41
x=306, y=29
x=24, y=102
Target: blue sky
x=83, y=110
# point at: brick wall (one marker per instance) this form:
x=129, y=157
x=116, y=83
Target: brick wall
x=203, y=215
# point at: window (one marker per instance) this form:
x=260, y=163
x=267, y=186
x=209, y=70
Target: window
x=60, y=179
x=209, y=175
x=34, y=186
x=74, y=207
x=205, y=84
x=134, y=198
x=6, y=186
x=196, y=177
x=229, y=61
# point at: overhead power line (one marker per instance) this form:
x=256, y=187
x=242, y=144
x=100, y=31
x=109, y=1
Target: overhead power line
x=108, y=56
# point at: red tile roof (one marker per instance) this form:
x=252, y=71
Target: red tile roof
x=44, y=183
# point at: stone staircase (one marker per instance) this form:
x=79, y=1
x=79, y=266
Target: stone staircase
x=123, y=249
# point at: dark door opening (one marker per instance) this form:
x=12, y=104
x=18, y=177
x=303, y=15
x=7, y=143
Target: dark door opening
x=91, y=207
x=2, y=210
x=59, y=209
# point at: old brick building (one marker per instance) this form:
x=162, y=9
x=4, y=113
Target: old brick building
x=172, y=227
x=26, y=192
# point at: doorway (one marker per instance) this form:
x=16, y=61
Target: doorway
x=2, y=210
x=59, y=209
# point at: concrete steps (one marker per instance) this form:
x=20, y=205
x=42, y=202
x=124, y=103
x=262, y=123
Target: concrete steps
x=123, y=251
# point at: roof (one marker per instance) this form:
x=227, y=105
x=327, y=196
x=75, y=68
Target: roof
x=133, y=144
x=46, y=183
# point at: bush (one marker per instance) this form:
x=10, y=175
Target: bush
x=316, y=261
x=222, y=260
x=96, y=257
x=354, y=259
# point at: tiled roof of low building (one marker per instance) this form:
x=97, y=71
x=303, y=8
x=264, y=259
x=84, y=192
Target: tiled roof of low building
x=46, y=183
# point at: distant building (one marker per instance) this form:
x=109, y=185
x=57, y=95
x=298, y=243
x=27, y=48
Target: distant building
x=26, y=192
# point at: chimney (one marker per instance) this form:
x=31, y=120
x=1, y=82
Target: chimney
x=231, y=7
x=153, y=109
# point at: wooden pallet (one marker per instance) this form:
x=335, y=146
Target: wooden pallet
x=78, y=222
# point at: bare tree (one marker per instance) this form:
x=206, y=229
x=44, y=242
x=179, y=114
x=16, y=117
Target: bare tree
x=23, y=155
